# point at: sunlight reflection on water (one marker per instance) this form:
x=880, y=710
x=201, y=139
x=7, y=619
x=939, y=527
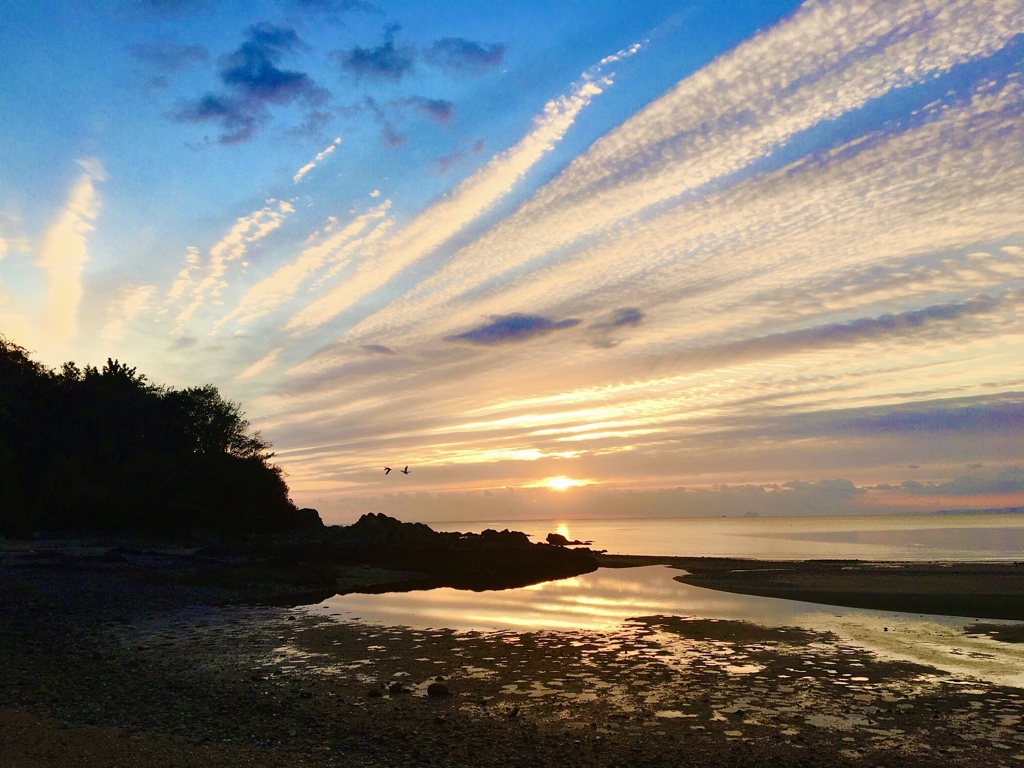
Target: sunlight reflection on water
x=875, y=537
x=600, y=600
x=604, y=600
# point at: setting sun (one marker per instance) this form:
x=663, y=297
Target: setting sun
x=561, y=483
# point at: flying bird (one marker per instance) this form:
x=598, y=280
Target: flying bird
x=386, y=470
x=405, y=471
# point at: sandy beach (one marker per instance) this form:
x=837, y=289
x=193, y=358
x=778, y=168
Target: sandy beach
x=103, y=662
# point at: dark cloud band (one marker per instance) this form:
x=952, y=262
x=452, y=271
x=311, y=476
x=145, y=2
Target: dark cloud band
x=504, y=329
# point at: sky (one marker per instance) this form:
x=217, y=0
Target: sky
x=583, y=257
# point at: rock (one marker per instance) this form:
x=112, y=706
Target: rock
x=558, y=540
x=308, y=518
x=378, y=530
x=397, y=687
x=435, y=690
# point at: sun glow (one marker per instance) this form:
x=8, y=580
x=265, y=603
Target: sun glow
x=560, y=483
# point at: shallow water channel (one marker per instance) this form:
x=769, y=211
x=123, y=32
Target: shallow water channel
x=604, y=600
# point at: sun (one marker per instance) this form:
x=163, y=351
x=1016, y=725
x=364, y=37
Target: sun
x=562, y=483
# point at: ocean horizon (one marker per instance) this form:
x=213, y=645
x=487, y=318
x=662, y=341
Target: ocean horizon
x=975, y=537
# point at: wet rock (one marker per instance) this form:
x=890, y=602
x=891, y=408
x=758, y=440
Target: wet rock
x=436, y=690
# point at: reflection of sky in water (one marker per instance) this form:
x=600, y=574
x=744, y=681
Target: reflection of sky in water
x=594, y=601
x=902, y=537
x=603, y=600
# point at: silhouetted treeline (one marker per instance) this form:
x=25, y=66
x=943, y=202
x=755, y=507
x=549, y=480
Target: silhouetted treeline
x=87, y=449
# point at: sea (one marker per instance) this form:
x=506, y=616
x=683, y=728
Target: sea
x=606, y=600
x=923, y=537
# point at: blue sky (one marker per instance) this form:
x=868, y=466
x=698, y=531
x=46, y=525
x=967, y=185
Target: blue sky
x=736, y=256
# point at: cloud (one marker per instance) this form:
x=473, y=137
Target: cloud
x=335, y=249
x=184, y=342
x=246, y=231
x=511, y=328
x=312, y=164
x=468, y=200
x=379, y=349
x=385, y=62
x=762, y=102
x=254, y=82
x=238, y=118
x=459, y=56
x=313, y=125
x=262, y=365
x=440, y=111
x=601, y=331
x=619, y=318
x=850, y=333
x=967, y=418
x=128, y=306
x=63, y=253
x=12, y=238
x=389, y=137
x=1005, y=480
x=798, y=263
x=253, y=71
x=444, y=164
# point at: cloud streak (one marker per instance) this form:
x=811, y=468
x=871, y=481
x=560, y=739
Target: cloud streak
x=63, y=253
x=465, y=203
x=331, y=252
x=300, y=174
x=712, y=127
x=245, y=232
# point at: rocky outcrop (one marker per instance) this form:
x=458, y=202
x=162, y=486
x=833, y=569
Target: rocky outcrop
x=488, y=560
x=381, y=554
x=558, y=540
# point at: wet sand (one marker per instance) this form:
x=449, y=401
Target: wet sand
x=102, y=665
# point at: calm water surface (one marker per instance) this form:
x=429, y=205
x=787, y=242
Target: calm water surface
x=875, y=537
x=605, y=599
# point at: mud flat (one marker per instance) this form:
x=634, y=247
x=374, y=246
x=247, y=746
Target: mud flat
x=979, y=590
x=100, y=664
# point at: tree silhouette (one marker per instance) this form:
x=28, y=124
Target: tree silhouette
x=85, y=449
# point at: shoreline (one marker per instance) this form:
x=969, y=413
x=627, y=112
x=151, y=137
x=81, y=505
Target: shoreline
x=102, y=664
x=974, y=590
x=979, y=590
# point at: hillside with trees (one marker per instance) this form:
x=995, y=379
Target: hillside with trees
x=105, y=450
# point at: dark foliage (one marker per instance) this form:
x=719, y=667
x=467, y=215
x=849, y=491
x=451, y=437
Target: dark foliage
x=90, y=450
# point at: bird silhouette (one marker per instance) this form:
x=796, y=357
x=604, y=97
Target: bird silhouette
x=386, y=470
x=405, y=471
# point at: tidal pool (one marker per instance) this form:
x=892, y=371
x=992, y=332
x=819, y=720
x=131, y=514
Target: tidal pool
x=604, y=600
